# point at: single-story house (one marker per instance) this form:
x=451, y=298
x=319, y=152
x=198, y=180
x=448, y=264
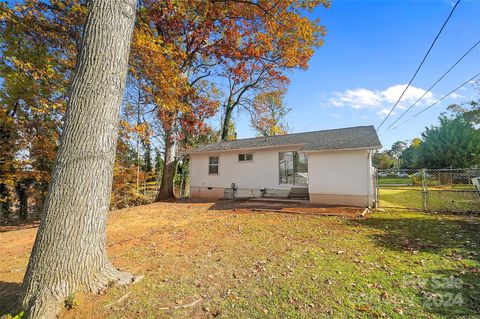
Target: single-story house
x=331, y=167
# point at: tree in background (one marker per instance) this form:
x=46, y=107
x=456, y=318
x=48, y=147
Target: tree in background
x=185, y=53
x=397, y=149
x=173, y=53
x=39, y=45
x=409, y=156
x=267, y=39
x=136, y=134
x=390, y=158
x=267, y=115
x=184, y=48
x=126, y=173
x=39, y=42
x=383, y=160
x=158, y=162
x=455, y=142
x=470, y=111
x=147, y=166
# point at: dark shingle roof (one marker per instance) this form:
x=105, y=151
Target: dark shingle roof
x=337, y=139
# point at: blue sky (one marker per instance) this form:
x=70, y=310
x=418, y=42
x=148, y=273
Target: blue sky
x=372, y=48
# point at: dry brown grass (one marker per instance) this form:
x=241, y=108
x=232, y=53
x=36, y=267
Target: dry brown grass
x=244, y=264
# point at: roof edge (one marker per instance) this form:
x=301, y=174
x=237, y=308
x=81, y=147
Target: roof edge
x=377, y=147
x=244, y=148
x=374, y=147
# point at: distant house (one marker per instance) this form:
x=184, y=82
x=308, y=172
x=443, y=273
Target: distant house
x=332, y=167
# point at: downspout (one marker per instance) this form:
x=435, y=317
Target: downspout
x=369, y=182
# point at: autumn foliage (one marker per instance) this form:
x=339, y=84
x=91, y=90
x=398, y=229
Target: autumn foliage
x=268, y=114
x=192, y=61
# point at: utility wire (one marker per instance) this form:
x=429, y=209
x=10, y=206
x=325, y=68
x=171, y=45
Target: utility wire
x=442, y=98
x=421, y=63
x=434, y=84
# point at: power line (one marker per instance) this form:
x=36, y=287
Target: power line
x=421, y=63
x=441, y=99
x=434, y=84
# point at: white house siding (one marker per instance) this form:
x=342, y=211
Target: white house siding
x=340, y=177
x=335, y=177
x=249, y=176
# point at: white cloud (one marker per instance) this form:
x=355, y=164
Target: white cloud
x=381, y=100
x=412, y=94
x=455, y=96
x=335, y=115
x=384, y=112
x=357, y=98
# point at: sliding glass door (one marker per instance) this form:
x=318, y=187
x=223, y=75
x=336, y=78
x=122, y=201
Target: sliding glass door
x=293, y=168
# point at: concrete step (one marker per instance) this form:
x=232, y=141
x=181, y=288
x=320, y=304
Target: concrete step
x=298, y=192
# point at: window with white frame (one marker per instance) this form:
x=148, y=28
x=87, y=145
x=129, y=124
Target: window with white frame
x=213, y=165
x=245, y=157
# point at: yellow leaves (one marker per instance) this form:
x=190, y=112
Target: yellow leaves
x=142, y=130
x=268, y=113
x=158, y=61
x=277, y=130
x=5, y=12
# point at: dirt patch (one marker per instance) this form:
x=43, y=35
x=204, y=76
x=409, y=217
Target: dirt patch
x=297, y=206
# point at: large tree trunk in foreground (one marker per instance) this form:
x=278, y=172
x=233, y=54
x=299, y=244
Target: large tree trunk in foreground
x=70, y=249
x=165, y=192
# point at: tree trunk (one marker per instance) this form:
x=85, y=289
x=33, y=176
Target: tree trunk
x=70, y=248
x=4, y=201
x=165, y=192
x=22, y=193
x=226, y=122
x=41, y=191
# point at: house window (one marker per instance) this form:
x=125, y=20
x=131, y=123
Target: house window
x=213, y=165
x=245, y=157
x=293, y=168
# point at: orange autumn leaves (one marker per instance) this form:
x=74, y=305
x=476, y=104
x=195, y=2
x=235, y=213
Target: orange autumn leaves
x=39, y=41
x=184, y=53
x=177, y=42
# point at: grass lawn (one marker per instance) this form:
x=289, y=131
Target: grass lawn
x=243, y=264
x=439, y=199
x=395, y=180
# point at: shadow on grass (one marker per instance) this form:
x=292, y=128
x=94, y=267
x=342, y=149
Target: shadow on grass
x=7, y=224
x=449, y=292
x=10, y=293
x=423, y=232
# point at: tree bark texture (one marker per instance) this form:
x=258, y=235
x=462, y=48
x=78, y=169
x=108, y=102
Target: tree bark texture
x=165, y=193
x=69, y=253
x=226, y=122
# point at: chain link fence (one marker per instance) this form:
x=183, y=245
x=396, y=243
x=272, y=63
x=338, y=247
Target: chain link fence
x=441, y=190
